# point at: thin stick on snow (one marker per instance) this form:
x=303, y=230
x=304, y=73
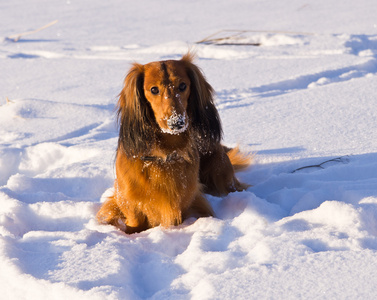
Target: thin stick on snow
x=8, y=101
x=338, y=159
x=16, y=37
x=210, y=40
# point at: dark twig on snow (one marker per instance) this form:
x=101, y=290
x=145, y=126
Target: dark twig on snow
x=338, y=159
x=231, y=39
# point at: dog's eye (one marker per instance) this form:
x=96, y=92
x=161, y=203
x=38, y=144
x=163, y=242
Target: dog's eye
x=182, y=86
x=155, y=90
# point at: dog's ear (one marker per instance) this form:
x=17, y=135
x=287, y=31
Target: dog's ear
x=135, y=116
x=203, y=113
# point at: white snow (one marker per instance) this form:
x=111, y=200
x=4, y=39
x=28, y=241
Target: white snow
x=307, y=95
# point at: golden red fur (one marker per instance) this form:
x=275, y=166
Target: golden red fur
x=169, y=150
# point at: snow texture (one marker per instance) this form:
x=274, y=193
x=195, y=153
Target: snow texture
x=304, y=101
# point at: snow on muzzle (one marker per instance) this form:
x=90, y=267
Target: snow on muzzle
x=177, y=123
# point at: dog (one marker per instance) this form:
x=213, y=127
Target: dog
x=169, y=152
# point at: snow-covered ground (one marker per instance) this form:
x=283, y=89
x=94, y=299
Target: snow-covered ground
x=304, y=101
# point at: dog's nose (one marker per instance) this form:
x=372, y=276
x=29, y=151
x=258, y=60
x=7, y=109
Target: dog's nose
x=176, y=124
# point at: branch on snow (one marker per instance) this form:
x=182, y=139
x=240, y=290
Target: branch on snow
x=16, y=37
x=235, y=37
x=342, y=159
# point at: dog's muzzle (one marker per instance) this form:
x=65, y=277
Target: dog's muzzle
x=177, y=123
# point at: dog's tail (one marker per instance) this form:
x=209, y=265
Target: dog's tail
x=238, y=159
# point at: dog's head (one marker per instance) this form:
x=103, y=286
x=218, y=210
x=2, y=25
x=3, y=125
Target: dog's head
x=167, y=90
x=166, y=97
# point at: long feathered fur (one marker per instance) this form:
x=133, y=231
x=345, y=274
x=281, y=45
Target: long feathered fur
x=135, y=116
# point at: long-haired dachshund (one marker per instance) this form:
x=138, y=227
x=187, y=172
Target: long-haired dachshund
x=169, y=150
